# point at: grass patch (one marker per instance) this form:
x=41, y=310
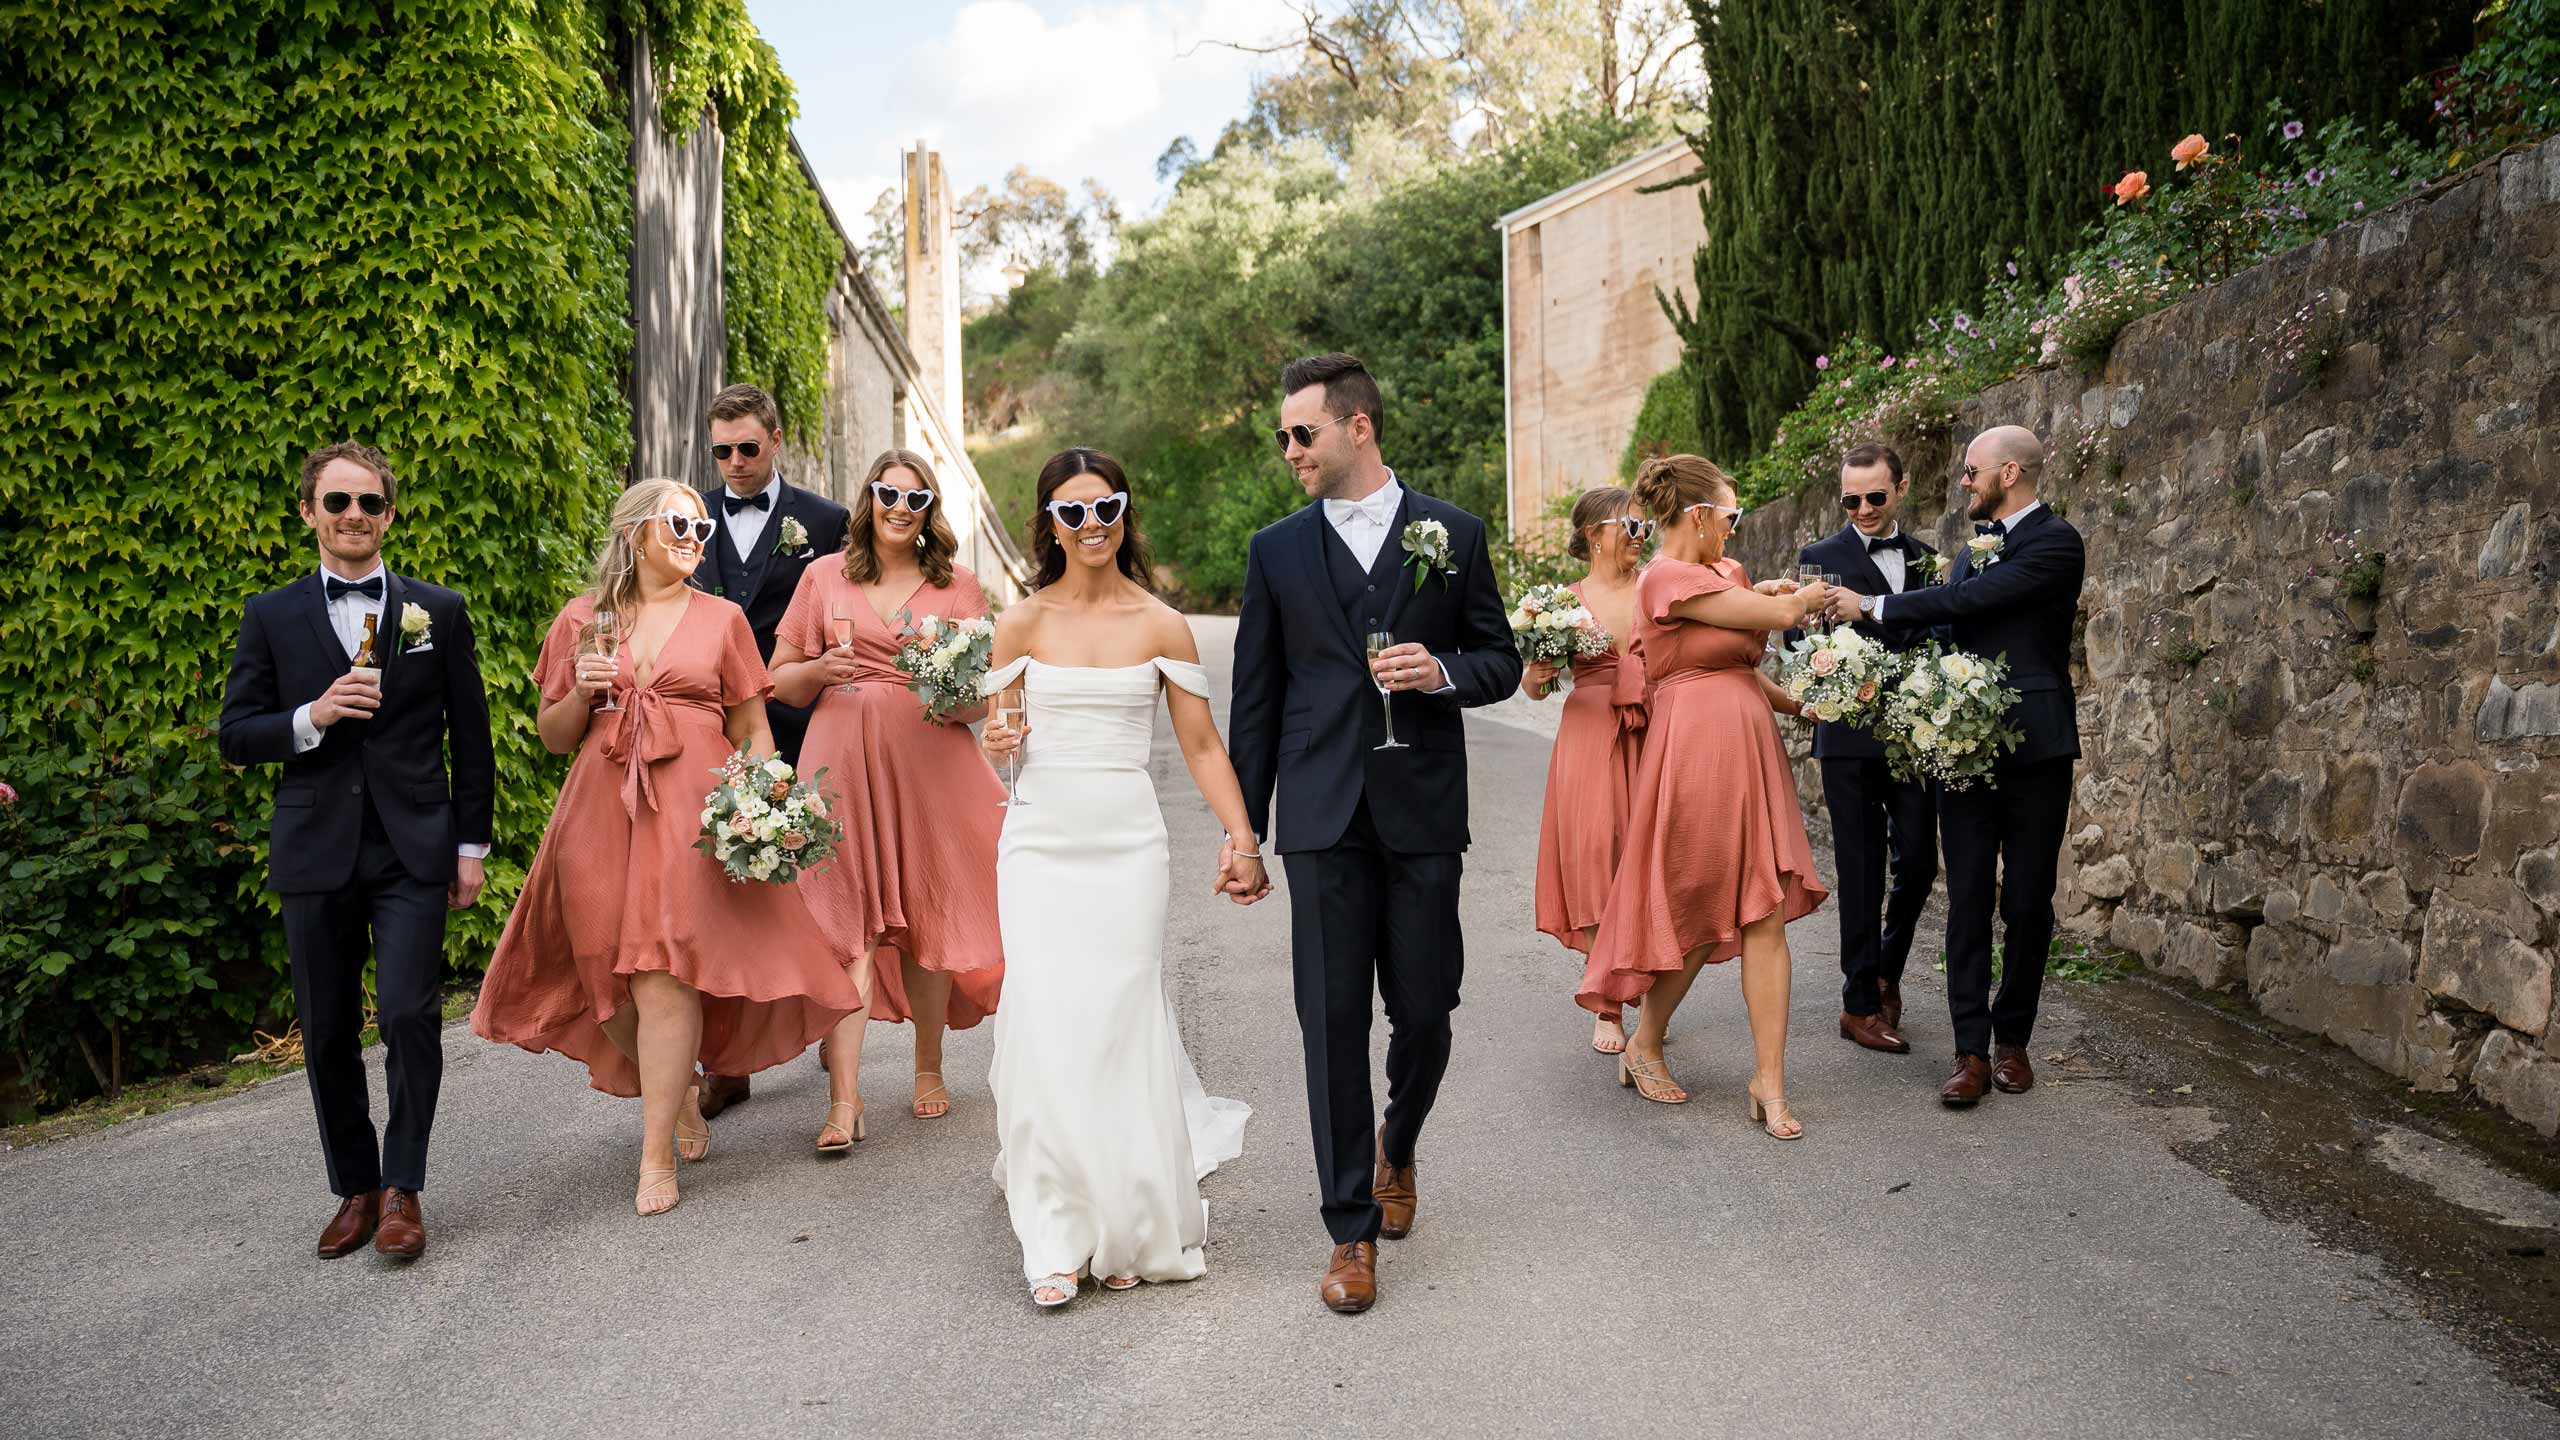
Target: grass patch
x=2068, y=960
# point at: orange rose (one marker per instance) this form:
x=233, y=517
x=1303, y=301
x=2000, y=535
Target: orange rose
x=2188, y=151
x=793, y=840
x=2133, y=186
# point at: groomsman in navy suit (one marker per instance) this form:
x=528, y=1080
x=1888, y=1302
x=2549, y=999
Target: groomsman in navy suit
x=363, y=686
x=2014, y=595
x=769, y=532
x=1874, y=816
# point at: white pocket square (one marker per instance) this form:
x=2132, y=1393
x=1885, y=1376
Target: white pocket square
x=420, y=649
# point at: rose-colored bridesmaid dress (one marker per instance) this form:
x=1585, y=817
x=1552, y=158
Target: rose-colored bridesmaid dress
x=1591, y=778
x=617, y=887
x=917, y=799
x=1715, y=837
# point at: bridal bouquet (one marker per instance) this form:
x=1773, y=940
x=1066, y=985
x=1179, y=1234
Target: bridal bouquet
x=945, y=659
x=1840, y=676
x=1551, y=626
x=1946, y=719
x=763, y=822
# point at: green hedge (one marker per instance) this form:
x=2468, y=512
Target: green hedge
x=235, y=234
x=1666, y=423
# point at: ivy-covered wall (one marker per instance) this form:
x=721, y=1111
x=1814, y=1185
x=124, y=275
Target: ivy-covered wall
x=238, y=233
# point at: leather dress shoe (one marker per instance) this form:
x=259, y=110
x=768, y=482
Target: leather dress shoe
x=1394, y=1192
x=1872, y=1032
x=719, y=1092
x=403, y=1232
x=1351, y=1280
x=1972, y=1077
x=1889, y=995
x=2010, y=1070
x=352, y=1225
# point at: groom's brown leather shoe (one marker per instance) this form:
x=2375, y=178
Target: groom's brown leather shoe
x=2010, y=1070
x=719, y=1092
x=403, y=1233
x=352, y=1225
x=1351, y=1280
x=1889, y=996
x=1872, y=1032
x=1972, y=1076
x=1394, y=1192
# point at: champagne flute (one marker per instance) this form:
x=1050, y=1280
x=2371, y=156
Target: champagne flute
x=1009, y=707
x=840, y=629
x=1835, y=581
x=1806, y=575
x=603, y=637
x=1379, y=641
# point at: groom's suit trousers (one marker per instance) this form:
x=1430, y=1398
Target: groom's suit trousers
x=1368, y=919
x=2003, y=848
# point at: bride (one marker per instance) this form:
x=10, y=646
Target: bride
x=1103, y=1125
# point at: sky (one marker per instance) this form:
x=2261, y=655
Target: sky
x=1072, y=88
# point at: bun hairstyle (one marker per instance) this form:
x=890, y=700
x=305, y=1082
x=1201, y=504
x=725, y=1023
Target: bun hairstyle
x=1606, y=502
x=1668, y=484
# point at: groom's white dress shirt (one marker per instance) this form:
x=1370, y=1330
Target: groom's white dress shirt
x=2007, y=528
x=746, y=526
x=346, y=616
x=1364, y=526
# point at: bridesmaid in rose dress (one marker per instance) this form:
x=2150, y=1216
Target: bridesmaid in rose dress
x=1716, y=861
x=628, y=949
x=916, y=910
x=1593, y=767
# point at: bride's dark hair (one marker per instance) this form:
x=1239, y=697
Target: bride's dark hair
x=1048, y=556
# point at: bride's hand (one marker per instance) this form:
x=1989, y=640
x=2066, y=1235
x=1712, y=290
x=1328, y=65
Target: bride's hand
x=1003, y=739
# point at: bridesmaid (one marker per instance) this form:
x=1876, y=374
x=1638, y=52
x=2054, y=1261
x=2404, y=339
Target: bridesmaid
x=1593, y=767
x=1716, y=861
x=916, y=908
x=628, y=949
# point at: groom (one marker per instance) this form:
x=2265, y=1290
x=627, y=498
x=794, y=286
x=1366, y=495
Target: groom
x=1373, y=837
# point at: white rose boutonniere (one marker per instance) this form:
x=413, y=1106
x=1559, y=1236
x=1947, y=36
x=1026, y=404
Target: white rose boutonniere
x=1427, y=542
x=1933, y=569
x=1985, y=550
x=415, y=628
x=795, y=537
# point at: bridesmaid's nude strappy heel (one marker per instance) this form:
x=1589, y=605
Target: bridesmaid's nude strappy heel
x=1772, y=1114
x=1649, y=1079
x=835, y=1139
x=932, y=1101
x=658, y=1193
x=693, y=1142
x=1609, y=1035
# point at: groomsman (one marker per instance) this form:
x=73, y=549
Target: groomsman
x=1873, y=815
x=360, y=683
x=2015, y=594
x=768, y=532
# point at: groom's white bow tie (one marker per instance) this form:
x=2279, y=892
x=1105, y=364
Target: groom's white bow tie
x=1378, y=509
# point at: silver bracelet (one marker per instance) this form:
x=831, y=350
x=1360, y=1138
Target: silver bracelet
x=1241, y=854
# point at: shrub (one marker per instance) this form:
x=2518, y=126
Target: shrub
x=1666, y=423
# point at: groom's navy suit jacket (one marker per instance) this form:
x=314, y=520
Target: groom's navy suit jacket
x=2022, y=607
x=1306, y=716
x=432, y=703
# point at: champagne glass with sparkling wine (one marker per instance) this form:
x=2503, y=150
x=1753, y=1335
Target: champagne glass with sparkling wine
x=840, y=630
x=1008, y=711
x=603, y=637
x=1379, y=642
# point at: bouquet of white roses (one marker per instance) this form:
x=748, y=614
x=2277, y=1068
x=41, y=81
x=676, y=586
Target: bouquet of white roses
x=1840, y=676
x=1553, y=627
x=944, y=660
x=763, y=822
x=1946, y=719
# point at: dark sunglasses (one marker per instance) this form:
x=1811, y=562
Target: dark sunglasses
x=335, y=502
x=696, y=528
x=1304, y=435
x=748, y=448
x=1972, y=470
x=891, y=497
x=1638, y=528
x=1106, y=511
x=1873, y=500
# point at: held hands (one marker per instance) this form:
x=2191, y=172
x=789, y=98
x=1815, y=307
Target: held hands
x=1540, y=679
x=1241, y=878
x=350, y=697
x=1405, y=667
x=1002, y=739
x=469, y=874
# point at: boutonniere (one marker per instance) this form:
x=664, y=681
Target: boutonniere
x=1985, y=549
x=1427, y=541
x=1933, y=569
x=415, y=628
x=795, y=538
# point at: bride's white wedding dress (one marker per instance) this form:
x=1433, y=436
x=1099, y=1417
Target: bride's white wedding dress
x=1105, y=1131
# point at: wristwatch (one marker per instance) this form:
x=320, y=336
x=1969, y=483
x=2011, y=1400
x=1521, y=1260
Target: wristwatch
x=1867, y=606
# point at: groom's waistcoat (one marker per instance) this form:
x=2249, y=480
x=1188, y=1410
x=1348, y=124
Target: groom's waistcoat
x=1363, y=593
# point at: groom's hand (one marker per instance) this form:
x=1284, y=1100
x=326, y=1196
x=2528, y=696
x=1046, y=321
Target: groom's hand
x=1407, y=667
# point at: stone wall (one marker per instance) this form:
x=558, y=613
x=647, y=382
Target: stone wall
x=2344, y=805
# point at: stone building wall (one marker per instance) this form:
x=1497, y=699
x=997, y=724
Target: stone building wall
x=2346, y=807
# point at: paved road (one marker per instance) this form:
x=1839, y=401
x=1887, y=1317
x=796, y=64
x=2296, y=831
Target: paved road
x=1585, y=1263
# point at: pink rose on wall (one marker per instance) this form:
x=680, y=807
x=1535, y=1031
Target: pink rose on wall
x=2188, y=151
x=8, y=796
x=1821, y=362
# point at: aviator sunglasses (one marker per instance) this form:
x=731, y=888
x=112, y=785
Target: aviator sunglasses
x=335, y=502
x=891, y=497
x=696, y=528
x=748, y=448
x=1873, y=500
x=1304, y=435
x=1106, y=511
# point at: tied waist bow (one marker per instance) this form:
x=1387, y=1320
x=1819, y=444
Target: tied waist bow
x=648, y=731
x=1627, y=694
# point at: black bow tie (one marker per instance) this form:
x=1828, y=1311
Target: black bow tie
x=1990, y=527
x=761, y=500
x=1884, y=542
x=340, y=589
